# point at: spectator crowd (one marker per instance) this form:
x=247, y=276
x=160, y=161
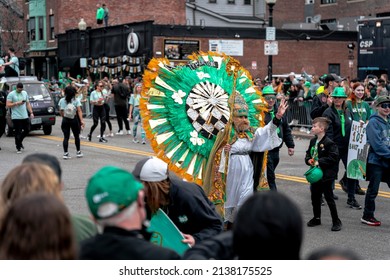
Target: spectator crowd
x=36, y=224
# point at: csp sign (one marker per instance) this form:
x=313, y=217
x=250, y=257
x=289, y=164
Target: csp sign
x=366, y=44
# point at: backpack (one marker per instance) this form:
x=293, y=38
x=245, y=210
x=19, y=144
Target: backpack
x=70, y=111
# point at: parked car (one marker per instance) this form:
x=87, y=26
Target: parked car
x=41, y=102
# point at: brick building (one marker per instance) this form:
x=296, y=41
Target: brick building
x=12, y=26
x=44, y=20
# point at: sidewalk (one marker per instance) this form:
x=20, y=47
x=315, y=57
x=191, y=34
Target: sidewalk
x=299, y=134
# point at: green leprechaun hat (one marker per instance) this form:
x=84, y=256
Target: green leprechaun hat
x=268, y=90
x=339, y=92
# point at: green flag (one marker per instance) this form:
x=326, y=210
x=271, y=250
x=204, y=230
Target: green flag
x=165, y=233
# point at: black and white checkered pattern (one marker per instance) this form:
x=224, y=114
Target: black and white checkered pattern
x=207, y=108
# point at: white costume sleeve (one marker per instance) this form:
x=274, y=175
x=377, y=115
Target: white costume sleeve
x=222, y=163
x=266, y=138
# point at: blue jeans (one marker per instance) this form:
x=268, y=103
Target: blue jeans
x=137, y=119
x=375, y=176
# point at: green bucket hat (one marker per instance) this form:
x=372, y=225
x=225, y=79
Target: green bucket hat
x=314, y=174
x=267, y=90
x=110, y=190
x=307, y=84
x=339, y=92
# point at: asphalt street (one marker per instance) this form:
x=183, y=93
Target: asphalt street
x=369, y=242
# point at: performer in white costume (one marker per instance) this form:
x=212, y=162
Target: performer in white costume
x=242, y=141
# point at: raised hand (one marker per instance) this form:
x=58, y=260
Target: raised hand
x=282, y=108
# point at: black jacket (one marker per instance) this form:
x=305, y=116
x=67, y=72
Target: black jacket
x=334, y=130
x=328, y=157
x=121, y=93
x=191, y=211
x=120, y=244
x=219, y=247
x=317, y=107
x=284, y=131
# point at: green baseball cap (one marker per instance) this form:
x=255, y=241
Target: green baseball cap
x=267, y=90
x=339, y=92
x=110, y=190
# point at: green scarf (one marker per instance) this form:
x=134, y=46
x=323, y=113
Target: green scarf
x=314, y=151
x=342, y=120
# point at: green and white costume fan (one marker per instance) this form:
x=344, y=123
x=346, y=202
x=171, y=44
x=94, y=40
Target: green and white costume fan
x=184, y=107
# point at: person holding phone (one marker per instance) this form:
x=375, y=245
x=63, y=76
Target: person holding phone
x=21, y=110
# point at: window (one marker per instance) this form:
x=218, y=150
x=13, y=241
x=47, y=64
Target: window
x=332, y=20
x=309, y=20
x=328, y=1
x=231, y=1
x=52, y=34
x=40, y=26
x=213, y=1
x=334, y=68
x=247, y=2
x=31, y=29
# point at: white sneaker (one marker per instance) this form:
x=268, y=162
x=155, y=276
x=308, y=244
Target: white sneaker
x=135, y=140
x=143, y=142
x=98, y=136
x=66, y=156
x=129, y=132
x=110, y=135
x=82, y=136
x=120, y=132
x=79, y=154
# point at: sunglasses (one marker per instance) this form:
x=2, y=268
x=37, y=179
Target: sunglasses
x=385, y=105
x=270, y=97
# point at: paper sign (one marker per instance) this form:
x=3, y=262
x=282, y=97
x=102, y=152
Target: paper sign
x=357, y=152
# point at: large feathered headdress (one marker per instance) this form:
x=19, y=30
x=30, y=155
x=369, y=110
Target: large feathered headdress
x=185, y=106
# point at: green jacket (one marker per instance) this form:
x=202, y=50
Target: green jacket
x=83, y=227
x=100, y=13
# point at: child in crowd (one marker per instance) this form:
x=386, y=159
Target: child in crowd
x=323, y=152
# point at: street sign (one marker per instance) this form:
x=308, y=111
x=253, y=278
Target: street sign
x=254, y=65
x=271, y=48
x=83, y=62
x=270, y=33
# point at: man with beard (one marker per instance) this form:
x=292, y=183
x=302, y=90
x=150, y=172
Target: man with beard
x=232, y=176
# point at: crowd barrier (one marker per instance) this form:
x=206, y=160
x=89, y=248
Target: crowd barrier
x=298, y=113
